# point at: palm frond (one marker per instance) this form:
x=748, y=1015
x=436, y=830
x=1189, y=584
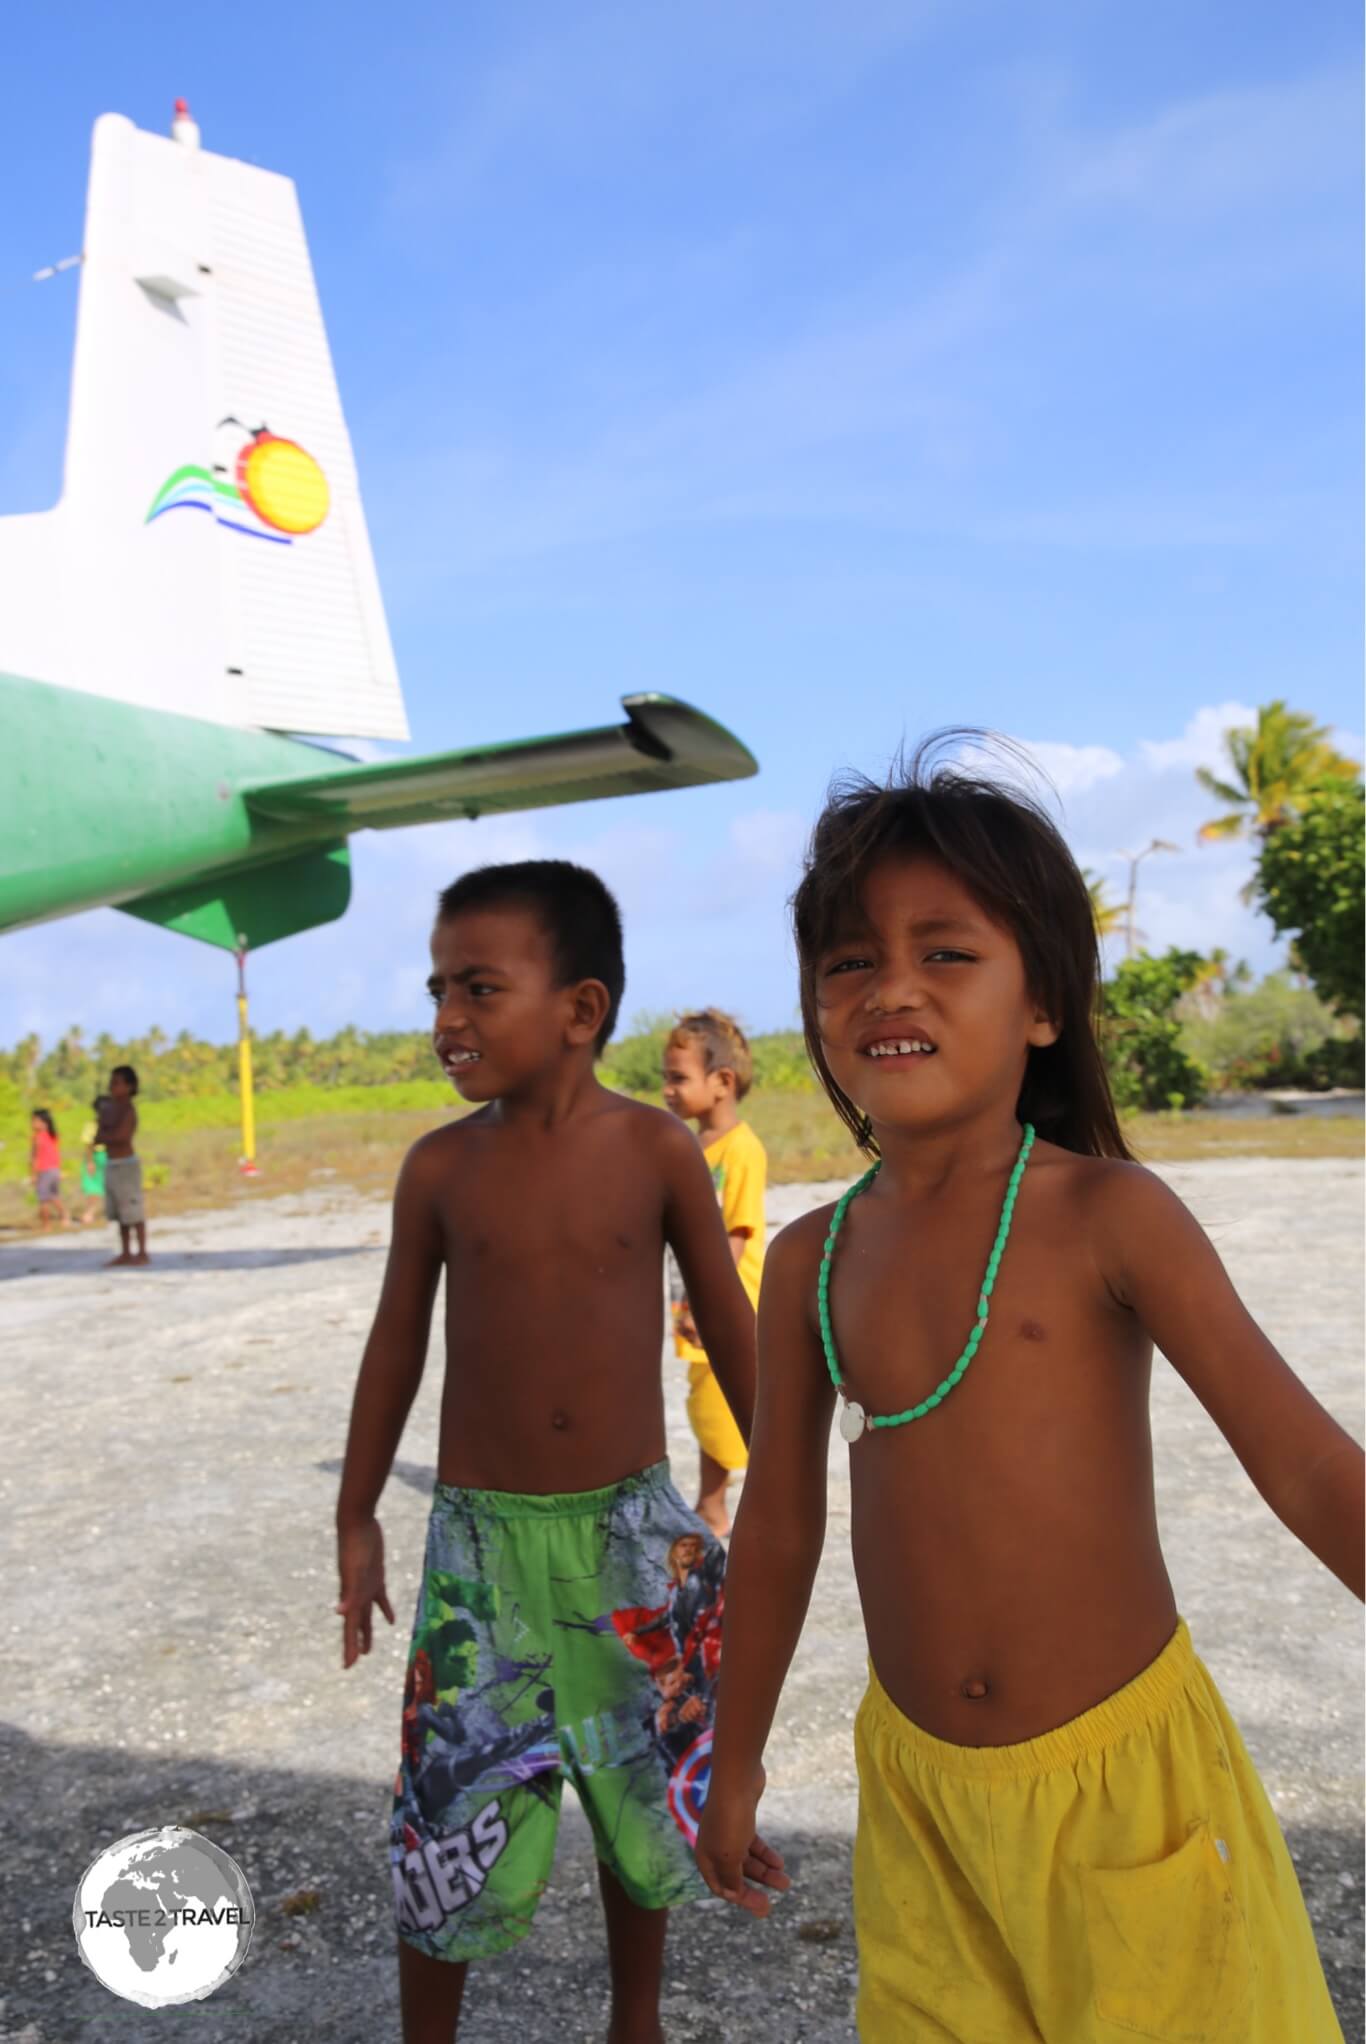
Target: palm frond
x=1223, y=827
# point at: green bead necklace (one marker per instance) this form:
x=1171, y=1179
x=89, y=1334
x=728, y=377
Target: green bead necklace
x=853, y=1418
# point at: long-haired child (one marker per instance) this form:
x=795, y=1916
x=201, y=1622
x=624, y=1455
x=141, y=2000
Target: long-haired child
x=45, y=1169
x=1061, y=1835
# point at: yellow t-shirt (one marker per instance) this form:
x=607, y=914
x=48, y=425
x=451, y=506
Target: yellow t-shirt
x=739, y=1168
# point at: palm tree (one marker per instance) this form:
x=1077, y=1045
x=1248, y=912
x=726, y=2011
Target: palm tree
x=1216, y=977
x=1222, y=972
x=1107, y=915
x=1276, y=766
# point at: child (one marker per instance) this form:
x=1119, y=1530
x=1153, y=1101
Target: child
x=568, y=1624
x=1060, y=1833
x=707, y=1071
x=93, y=1161
x=45, y=1168
x=115, y=1129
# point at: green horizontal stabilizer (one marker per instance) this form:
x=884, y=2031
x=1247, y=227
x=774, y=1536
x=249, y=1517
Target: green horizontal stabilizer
x=257, y=905
x=663, y=744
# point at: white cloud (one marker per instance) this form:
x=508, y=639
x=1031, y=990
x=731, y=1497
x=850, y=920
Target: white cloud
x=110, y=972
x=1073, y=769
x=1227, y=151
x=1201, y=744
x=440, y=851
x=1189, y=897
x=1045, y=769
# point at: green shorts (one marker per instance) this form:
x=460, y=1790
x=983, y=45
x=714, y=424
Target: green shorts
x=573, y=1637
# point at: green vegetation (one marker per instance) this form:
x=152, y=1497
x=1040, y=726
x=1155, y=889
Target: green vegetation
x=1175, y=1028
x=1310, y=882
x=187, y=1068
x=1149, y=1067
x=190, y=1085
x=195, y=1169
x=1277, y=767
x=1303, y=802
x=632, y=1064
x=1277, y=1034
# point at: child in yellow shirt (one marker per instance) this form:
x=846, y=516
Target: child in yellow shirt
x=708, y=1070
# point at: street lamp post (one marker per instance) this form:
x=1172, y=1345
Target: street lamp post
x=1135, y=859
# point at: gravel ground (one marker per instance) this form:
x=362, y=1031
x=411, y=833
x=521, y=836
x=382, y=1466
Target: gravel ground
x=173, y=1440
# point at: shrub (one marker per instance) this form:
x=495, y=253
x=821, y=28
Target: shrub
x=1310, y=882
x=1274, y=1035
x=781, y=1064
x=14, y=1129
x=632, y=1064
x=1141, y=1034
x=1340, y=1061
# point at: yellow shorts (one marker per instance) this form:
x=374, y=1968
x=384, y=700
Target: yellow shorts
x=712, y=1420
x=1123, y=1877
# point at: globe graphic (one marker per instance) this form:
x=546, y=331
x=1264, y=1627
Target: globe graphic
x=163, y=1916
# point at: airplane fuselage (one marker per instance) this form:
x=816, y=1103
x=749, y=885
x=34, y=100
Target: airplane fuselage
x=105, y=801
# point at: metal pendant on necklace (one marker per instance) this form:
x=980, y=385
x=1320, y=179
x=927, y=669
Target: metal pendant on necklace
x=853, y=1419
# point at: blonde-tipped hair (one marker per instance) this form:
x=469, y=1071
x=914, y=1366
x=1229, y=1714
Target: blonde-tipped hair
x=722, y=1042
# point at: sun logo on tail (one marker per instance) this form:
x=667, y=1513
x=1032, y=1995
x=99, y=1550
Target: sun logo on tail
x=276, y=491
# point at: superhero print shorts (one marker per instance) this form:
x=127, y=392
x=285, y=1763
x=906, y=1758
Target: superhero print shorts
x=573, y=1637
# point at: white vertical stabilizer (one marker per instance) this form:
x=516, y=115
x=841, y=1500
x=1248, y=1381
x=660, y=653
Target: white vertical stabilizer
x=209, y=553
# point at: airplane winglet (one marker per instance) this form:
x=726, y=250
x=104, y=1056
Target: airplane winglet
x=664, y=743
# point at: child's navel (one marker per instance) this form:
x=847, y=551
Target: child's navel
x=975, y=1689
x=559, y=1419
x=1032, y=1331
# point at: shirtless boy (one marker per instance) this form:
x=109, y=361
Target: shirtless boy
x=568, y=1624
x=115, y=1129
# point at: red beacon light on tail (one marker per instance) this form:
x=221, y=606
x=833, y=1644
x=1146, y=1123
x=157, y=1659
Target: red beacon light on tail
x=184, y=127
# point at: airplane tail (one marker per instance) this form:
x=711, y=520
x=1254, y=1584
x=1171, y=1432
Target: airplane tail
x=209, y=553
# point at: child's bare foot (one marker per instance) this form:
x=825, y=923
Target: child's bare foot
x=115, y=1261
x=143, y=1257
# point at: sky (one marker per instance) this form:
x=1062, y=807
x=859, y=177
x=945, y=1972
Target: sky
x=846, y=371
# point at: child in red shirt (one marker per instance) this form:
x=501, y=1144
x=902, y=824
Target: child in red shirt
x=45, y=1168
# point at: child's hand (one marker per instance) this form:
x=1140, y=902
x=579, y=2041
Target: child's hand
x=686, y=1325
x=731, y=1856
x=360, y=1563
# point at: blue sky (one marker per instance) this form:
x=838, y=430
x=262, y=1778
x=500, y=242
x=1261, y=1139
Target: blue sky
x=845, y=371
